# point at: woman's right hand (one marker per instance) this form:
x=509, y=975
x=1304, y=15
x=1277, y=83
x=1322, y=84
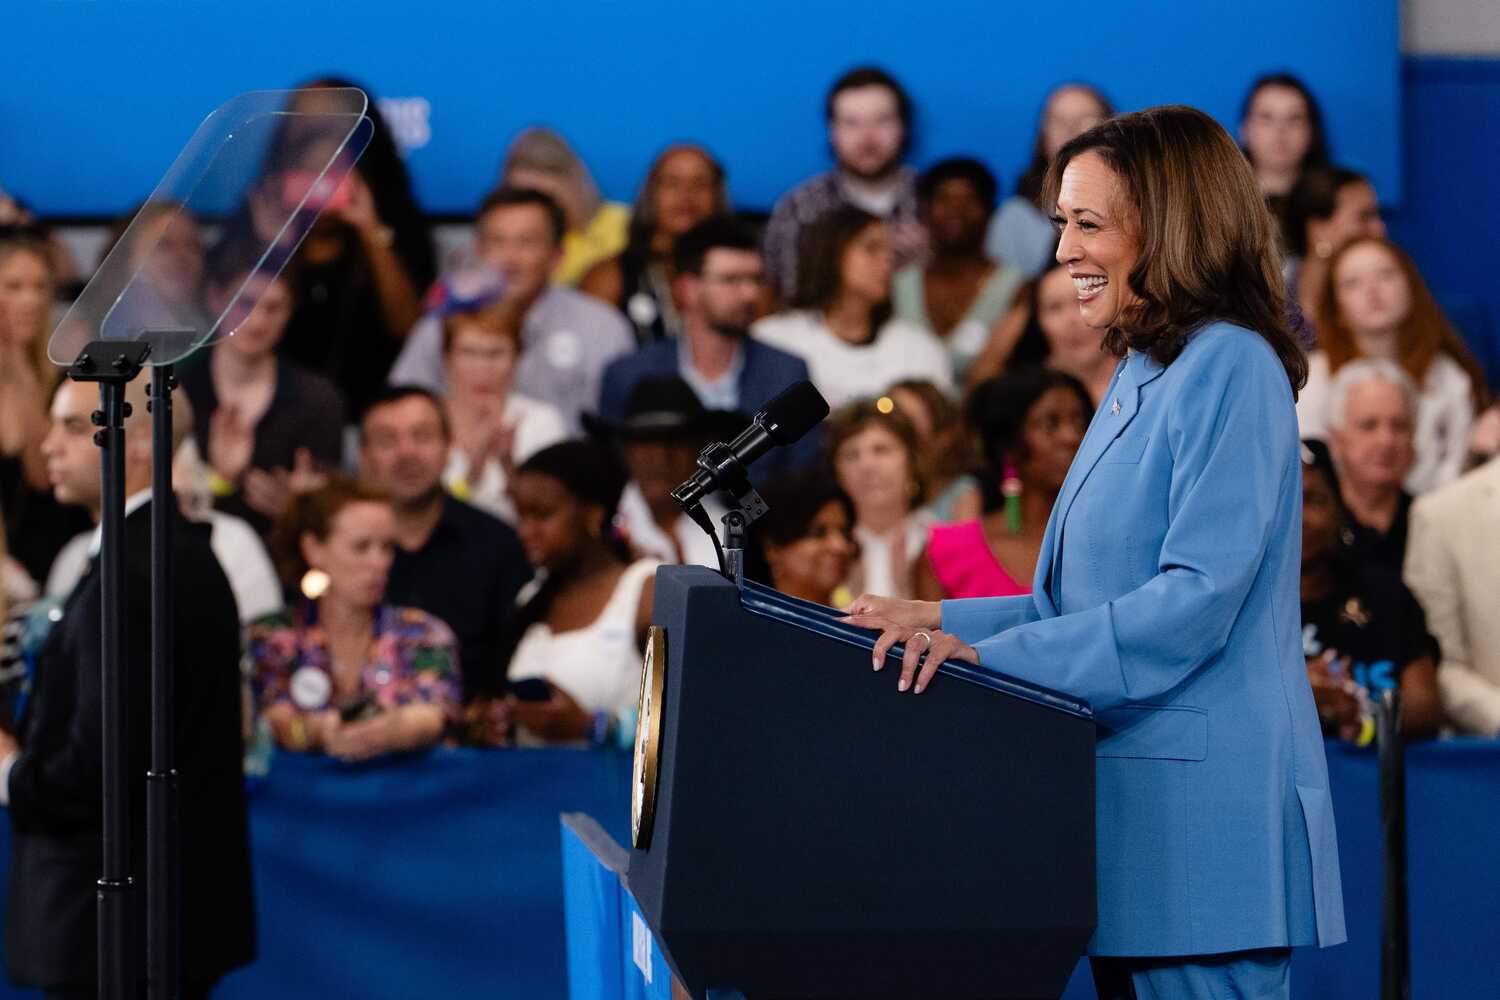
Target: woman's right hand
x=488, y=722
x=912, y=614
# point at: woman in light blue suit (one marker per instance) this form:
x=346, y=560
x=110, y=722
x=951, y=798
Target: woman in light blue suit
x=1167, y=588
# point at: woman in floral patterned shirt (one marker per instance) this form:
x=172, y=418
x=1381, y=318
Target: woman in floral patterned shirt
x=343, y=672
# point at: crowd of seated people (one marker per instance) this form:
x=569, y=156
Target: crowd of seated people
x=464, y=473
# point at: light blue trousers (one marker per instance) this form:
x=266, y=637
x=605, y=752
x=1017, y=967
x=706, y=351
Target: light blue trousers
x=1239, y=975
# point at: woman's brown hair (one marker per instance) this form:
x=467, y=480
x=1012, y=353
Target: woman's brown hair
x=1207, y=243
x=1425, y=332
x=855, y=417
x=820, y=261
x=952, y=451
x=313, y=513
x=643, y=219
x=23, y=239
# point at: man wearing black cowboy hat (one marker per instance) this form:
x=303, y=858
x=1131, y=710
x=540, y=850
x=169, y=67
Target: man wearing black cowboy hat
x=662, y=429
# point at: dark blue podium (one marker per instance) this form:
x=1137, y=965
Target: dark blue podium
x=802, y=829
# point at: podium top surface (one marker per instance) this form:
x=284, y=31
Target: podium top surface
x=824, y=621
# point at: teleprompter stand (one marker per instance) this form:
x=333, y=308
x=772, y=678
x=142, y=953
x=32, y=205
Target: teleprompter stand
x=258, y=172
x=1395, y=931
x=113, y=364
x=163, y=905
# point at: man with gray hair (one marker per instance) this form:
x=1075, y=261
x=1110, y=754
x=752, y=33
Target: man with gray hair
x=1372, y=412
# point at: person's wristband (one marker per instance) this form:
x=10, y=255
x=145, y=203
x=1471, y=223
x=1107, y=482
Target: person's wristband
x=599, y=730
x=458, y=486
x=297, y=734
x=625, y=731
x=218, y=485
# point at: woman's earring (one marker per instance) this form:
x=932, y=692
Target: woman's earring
x=1010, y=489
x=314, y=583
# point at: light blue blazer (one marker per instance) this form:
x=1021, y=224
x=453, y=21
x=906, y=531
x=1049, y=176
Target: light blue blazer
x=1167, y=595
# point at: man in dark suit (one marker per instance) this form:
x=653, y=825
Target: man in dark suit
x=719, y=285
x=50, y=773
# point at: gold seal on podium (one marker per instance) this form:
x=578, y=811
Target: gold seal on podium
x=648, y=738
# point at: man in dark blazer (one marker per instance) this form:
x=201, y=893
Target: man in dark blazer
x=719, y=283
x=50, y=772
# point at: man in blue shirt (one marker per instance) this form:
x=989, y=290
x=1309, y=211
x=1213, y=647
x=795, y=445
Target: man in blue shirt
x=719, y=282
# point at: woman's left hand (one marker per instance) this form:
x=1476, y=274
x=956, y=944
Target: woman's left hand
x=559, y=719
x=926, y=650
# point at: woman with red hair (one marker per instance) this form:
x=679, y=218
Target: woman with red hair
x=1376, y=305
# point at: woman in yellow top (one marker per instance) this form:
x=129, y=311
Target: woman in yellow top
x=541, y=159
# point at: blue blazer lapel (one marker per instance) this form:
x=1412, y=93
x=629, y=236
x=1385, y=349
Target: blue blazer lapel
x=1119, y=406
x=1041, y=591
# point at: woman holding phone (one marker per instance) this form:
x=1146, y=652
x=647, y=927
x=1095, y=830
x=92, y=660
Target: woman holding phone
x=572, y=648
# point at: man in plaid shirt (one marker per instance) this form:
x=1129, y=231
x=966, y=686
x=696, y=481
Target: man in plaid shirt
x=869, y=128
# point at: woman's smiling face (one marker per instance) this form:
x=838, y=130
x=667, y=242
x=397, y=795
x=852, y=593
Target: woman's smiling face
x=1099, y=243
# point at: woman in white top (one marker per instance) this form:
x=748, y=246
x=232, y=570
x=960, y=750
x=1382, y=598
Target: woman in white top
x=1376, y=305
x=493, y=427
x=840, y=322
x=874, y=454
x=583, y=628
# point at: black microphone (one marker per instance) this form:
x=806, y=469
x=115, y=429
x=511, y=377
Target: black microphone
x=795, y=411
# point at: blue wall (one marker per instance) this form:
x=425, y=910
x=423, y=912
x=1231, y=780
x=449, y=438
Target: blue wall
x=97, y=97
x=1450, y=221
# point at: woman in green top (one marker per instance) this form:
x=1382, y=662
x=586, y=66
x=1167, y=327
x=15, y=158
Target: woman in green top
x=959, y=294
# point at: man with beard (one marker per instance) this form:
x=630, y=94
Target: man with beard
x=452, y=560
x=869, y=130
x=718, y=284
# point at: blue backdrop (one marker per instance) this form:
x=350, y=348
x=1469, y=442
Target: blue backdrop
x=1452, y=159
x=97, y=97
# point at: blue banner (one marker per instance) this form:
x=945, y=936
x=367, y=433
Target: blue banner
x=442, y=876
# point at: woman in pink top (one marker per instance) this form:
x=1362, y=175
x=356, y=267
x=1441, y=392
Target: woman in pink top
x=1030, y=423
